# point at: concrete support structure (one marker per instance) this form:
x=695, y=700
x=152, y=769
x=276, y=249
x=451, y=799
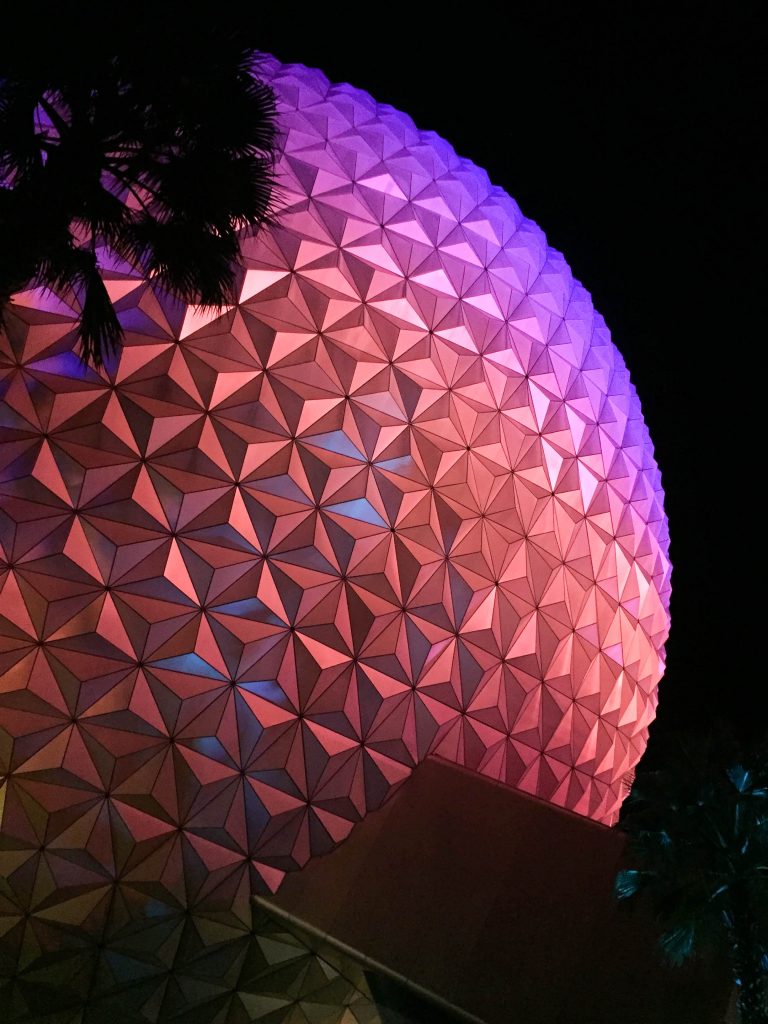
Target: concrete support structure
x=500, y=904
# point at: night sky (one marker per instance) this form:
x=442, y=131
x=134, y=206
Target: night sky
x=632, y=142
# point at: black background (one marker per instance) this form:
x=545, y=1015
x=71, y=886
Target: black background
x=631, y=137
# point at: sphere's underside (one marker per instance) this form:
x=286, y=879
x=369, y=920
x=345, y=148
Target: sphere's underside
x=399, y=501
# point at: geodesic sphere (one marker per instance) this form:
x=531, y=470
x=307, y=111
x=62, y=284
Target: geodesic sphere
x=400, y=500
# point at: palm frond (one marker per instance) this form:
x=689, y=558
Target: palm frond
x=679, y=944
x=173, y=157
x=186, y=261
x=99, y=327
x=629, y=882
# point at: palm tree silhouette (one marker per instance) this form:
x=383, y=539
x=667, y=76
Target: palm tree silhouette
x=154, y=142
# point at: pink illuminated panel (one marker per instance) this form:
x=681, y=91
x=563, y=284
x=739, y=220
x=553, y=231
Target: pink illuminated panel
x=399, y=501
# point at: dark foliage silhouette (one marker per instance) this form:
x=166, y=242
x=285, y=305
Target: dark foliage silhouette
x=698, y=842
x=150, y=140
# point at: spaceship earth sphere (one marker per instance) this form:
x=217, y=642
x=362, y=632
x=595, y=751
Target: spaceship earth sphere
x=400, y=500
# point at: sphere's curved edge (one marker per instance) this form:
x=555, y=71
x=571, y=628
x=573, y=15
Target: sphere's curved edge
x=399, y=500
x=273, y=70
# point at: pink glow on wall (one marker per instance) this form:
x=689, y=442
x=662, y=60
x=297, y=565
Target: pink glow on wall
x=399, y=501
